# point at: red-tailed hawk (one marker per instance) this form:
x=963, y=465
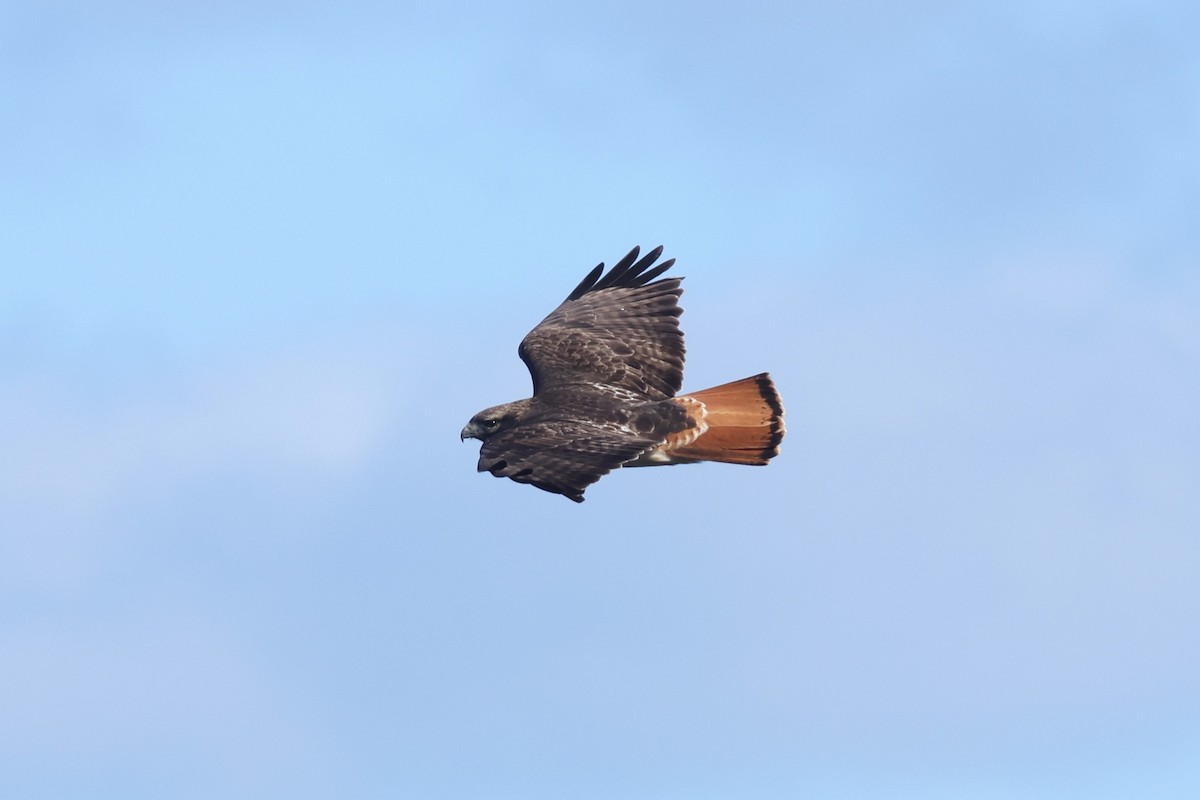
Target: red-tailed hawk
x=606, y=365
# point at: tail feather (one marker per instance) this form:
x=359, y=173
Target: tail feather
x=740, y=423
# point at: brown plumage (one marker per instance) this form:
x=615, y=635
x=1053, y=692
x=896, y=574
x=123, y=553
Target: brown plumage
x=606, y=366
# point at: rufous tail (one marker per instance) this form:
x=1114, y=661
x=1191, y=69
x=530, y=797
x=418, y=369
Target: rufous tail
x=737, y=423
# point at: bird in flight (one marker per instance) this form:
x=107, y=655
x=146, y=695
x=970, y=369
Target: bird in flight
x=607, y=365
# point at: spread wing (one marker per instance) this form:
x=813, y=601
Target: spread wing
x=563, y=456
x=618, y=329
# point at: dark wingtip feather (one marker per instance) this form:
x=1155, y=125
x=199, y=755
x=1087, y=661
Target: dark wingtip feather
x=619, y=270
x=649, y=258
x=659, y=270
x=624, y=274
x=587, y=283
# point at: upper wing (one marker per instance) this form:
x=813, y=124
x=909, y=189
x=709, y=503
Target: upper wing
x=563, y=456
x=617, y=329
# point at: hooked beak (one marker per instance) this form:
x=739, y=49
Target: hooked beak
x=471, y=431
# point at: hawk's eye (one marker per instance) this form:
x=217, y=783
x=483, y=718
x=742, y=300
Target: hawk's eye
x=491, y=423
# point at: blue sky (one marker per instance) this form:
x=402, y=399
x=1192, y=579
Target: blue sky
x=263, y=260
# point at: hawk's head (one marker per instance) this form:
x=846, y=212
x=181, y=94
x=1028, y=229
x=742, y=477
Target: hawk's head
x=492, y=420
